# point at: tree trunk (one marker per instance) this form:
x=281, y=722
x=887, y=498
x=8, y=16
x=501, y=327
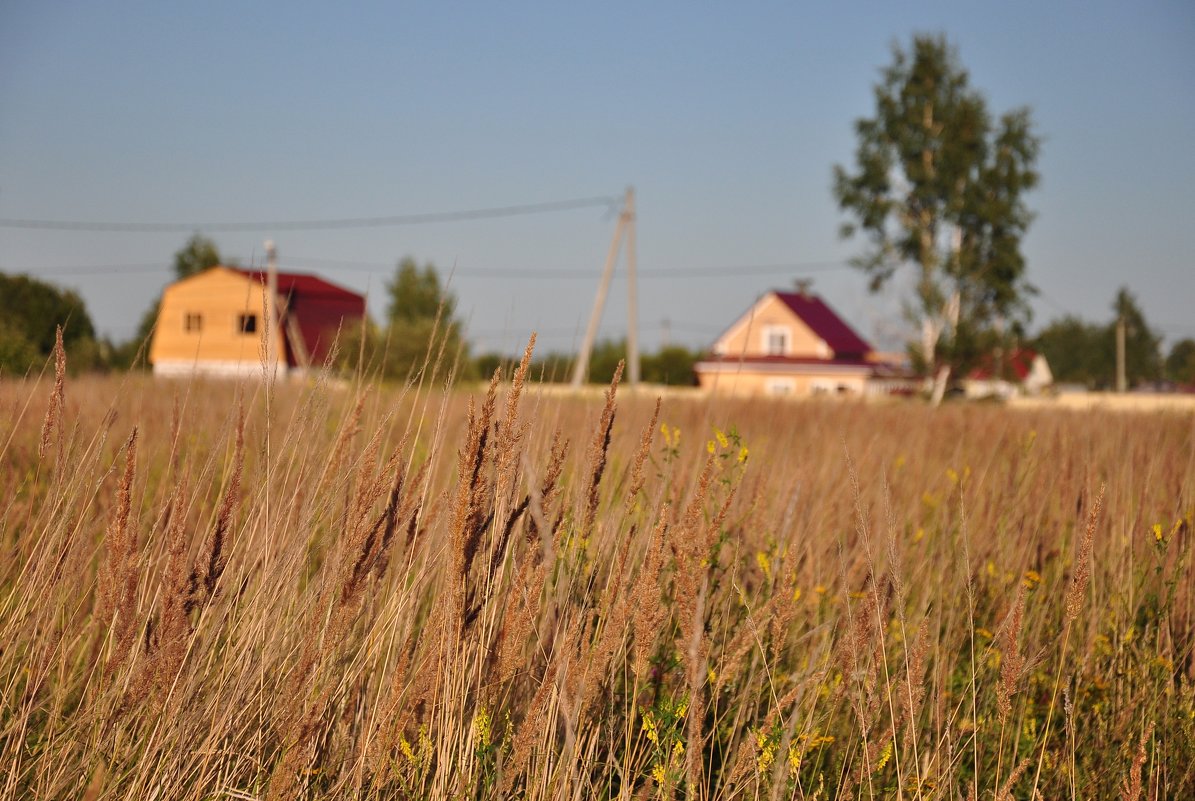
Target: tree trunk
x=940, y=381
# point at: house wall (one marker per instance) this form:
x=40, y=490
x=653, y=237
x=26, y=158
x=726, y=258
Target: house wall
x=219, y=296
x=746, y=336
x=748, y=382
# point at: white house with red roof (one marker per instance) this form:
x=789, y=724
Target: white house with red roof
x=788, y=344
x=214, y=322
x=1022, y=371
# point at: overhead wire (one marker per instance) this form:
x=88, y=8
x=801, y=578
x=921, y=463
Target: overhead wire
x=609, y=202
x=725, y=271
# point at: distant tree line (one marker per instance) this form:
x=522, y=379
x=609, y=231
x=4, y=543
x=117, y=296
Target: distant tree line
x=1084, y=353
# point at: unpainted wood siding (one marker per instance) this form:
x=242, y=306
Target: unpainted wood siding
x=219, y=296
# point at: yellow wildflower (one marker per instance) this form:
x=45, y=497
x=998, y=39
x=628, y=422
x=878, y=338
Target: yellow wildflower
x=650, y=728
x=885, y=755
x=1031, y=579
x=710, y=446
x=658, y=773
x=481, y=727
x=742, y=454
x=721, y=437
x=794, y=757
x=765, y=564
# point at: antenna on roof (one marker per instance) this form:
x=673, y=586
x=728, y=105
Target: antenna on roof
x=802, y=285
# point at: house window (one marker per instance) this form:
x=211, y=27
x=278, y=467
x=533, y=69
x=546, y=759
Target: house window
x=192, y=322
x=776, y=340
x=247, y=323
x=823, y=386
x=781, y=387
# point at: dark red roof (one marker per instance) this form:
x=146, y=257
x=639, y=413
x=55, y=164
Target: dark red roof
x=320, y=308
x=1017, y=364
x=822, y=320
x=304, y=283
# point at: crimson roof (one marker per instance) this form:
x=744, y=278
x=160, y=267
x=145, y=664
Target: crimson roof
x=1017, y=364
x=303, y=283
x=320, y=308
x=841, y=338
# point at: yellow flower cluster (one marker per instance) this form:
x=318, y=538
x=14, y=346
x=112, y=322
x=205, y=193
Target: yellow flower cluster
x=481, y=727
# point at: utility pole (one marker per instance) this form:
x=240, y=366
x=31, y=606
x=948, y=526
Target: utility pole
x=1122, y=383
x=271, y=326
x=624, y=227
x=628, y=211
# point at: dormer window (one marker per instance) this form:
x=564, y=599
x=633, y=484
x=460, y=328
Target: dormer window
x=777, y=340
x=247, y=323
x=193, y=322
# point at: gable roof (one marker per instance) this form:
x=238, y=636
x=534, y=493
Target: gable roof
x=825, y=323
x=319, y=309
x=1017, y=365
x=306, y=284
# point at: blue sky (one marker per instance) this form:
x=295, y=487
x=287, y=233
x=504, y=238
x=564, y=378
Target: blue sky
x=726, y=118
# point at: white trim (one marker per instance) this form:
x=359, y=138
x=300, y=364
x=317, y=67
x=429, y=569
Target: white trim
x=224, y=368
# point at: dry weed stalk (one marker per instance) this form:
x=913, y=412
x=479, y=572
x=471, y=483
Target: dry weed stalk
x=637, y=477
x=1012, y=662
x=1130, y=788
x=598, y=450
x=214, y=553
x=121, y=570
x=53, y=419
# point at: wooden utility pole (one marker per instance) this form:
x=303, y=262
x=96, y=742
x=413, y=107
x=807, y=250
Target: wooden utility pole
x=1122, y=383
x=271, y=324
x=624, y=228
x=628, y=212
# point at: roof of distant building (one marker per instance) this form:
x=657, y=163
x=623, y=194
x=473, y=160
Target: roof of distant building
x=825, y=323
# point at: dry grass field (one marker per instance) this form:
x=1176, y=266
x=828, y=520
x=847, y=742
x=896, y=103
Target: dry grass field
x=214, y=591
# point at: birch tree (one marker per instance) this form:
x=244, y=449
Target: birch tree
x=937, y=187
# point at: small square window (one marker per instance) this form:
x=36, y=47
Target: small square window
x=192, y=322
x=776, y=340
x=247, y=323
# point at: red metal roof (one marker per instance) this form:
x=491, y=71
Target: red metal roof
x=822, y=320
x=320, y=308
x=1017, y=364
x=305, y=283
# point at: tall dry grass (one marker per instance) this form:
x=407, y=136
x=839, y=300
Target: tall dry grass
x=357, y=591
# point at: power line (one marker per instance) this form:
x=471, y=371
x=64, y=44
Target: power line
x=726, y=271
x=315, y=225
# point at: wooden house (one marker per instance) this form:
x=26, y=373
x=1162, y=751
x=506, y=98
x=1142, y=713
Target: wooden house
x=788, y=344
x=214, y=322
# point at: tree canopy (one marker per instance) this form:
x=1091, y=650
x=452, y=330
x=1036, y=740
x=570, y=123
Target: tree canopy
x=198, y=254
x=420, y=320
x=939, y=186
x=416, y=294
x=1085, y=353
x=1180, y=364
x=30, y=311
